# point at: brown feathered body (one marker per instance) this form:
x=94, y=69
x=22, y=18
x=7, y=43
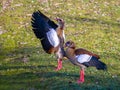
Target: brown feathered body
x=84, y=51
x=83, y=58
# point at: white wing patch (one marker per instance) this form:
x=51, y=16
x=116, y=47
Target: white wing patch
x=53, y=38
x=83, y=58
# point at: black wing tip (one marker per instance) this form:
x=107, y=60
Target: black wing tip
x=103, y=67
x=39, y=14
x=36, y=12
x=96, y=63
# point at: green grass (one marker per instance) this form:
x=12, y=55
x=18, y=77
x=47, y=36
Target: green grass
x=91, y=24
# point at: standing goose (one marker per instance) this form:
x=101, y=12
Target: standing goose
x=83, y=58
x=50, y=34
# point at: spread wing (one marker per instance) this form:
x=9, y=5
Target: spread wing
x=41, y=24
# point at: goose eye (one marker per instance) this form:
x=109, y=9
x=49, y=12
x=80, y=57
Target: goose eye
x=68, y=43
x=60, y=20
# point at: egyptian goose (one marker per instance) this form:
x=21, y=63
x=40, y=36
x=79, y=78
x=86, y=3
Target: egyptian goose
x=83, y=58
x=50, y=34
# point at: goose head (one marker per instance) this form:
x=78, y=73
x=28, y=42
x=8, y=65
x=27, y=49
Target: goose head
x=60, y=22
x=70, y=44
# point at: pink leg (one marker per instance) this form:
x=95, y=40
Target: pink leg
x=59, y=66
x=81, y=80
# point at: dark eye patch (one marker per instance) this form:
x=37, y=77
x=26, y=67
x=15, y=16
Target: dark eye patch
x=67, y=43
x=60, y=20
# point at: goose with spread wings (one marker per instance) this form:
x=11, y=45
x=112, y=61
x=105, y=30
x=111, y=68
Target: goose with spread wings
x=50, y=34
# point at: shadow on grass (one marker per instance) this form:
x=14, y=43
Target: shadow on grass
x=19, y=50
x=25, y=67
x=40, y=77
x=19, y=53
x=56, y=81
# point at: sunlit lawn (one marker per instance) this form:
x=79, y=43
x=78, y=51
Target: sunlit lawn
x=91, y=24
